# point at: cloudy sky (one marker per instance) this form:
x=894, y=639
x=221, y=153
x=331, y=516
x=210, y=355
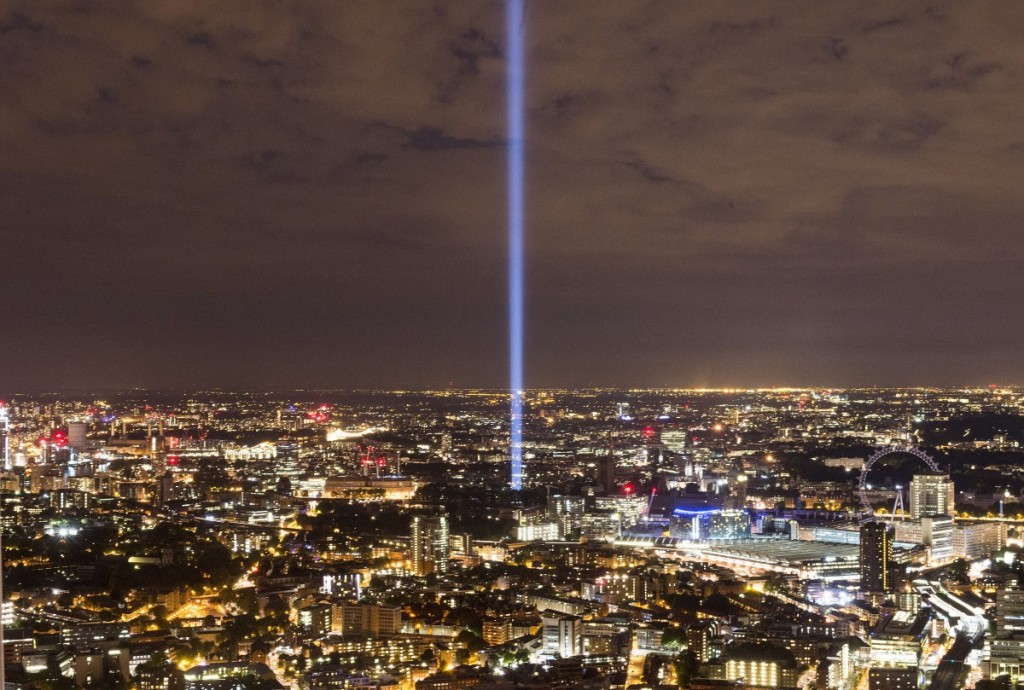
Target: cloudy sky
x=295, y=194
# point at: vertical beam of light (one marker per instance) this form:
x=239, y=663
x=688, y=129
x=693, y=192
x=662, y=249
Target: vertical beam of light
x=514, y=35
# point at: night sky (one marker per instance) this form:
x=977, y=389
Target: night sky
x=299, y=194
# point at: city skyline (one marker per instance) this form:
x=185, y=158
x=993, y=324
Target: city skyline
x=511, y=345
x=253, y=196
x=659, y=539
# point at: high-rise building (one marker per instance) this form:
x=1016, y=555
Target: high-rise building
x=698, y=639
x=430, y=544
x=567, y=512
x=77, y=439
x=931, y=494
x=606, y=467
x=676, y=440
x=876, y=557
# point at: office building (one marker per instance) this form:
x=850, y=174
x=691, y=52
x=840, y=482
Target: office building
x=1010, y=611
x=934, y=531
x=931, y=494
x=978, y=540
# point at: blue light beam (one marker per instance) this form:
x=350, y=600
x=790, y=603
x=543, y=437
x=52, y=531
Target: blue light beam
x=514, y=37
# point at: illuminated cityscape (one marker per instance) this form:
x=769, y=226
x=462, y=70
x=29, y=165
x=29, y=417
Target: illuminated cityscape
x=511, y=345
x=331, y=539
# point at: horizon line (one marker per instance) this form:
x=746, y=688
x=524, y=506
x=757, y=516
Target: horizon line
x=499, y=390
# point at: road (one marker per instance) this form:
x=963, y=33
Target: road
x=635, y=666
x=953, y=668
x=274, y=663
x=996, y=518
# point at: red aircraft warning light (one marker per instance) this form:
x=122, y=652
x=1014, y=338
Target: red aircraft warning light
x=59, y=438
x=320, y=415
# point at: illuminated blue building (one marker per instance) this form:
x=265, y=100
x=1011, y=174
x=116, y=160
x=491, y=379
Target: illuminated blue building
x=709, y=523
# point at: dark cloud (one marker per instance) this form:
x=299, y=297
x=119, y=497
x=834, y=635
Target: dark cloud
x=253, y=194
x=880, y=24
x=433, y=138
x=200, y=38
x=17, y=21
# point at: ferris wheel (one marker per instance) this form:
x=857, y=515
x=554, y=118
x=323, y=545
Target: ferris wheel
x=862, y=486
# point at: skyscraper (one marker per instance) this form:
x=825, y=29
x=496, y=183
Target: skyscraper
x=876, y=557
x=606, y=472
x=429, y=544
x=931, y=494
x=77, y=438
